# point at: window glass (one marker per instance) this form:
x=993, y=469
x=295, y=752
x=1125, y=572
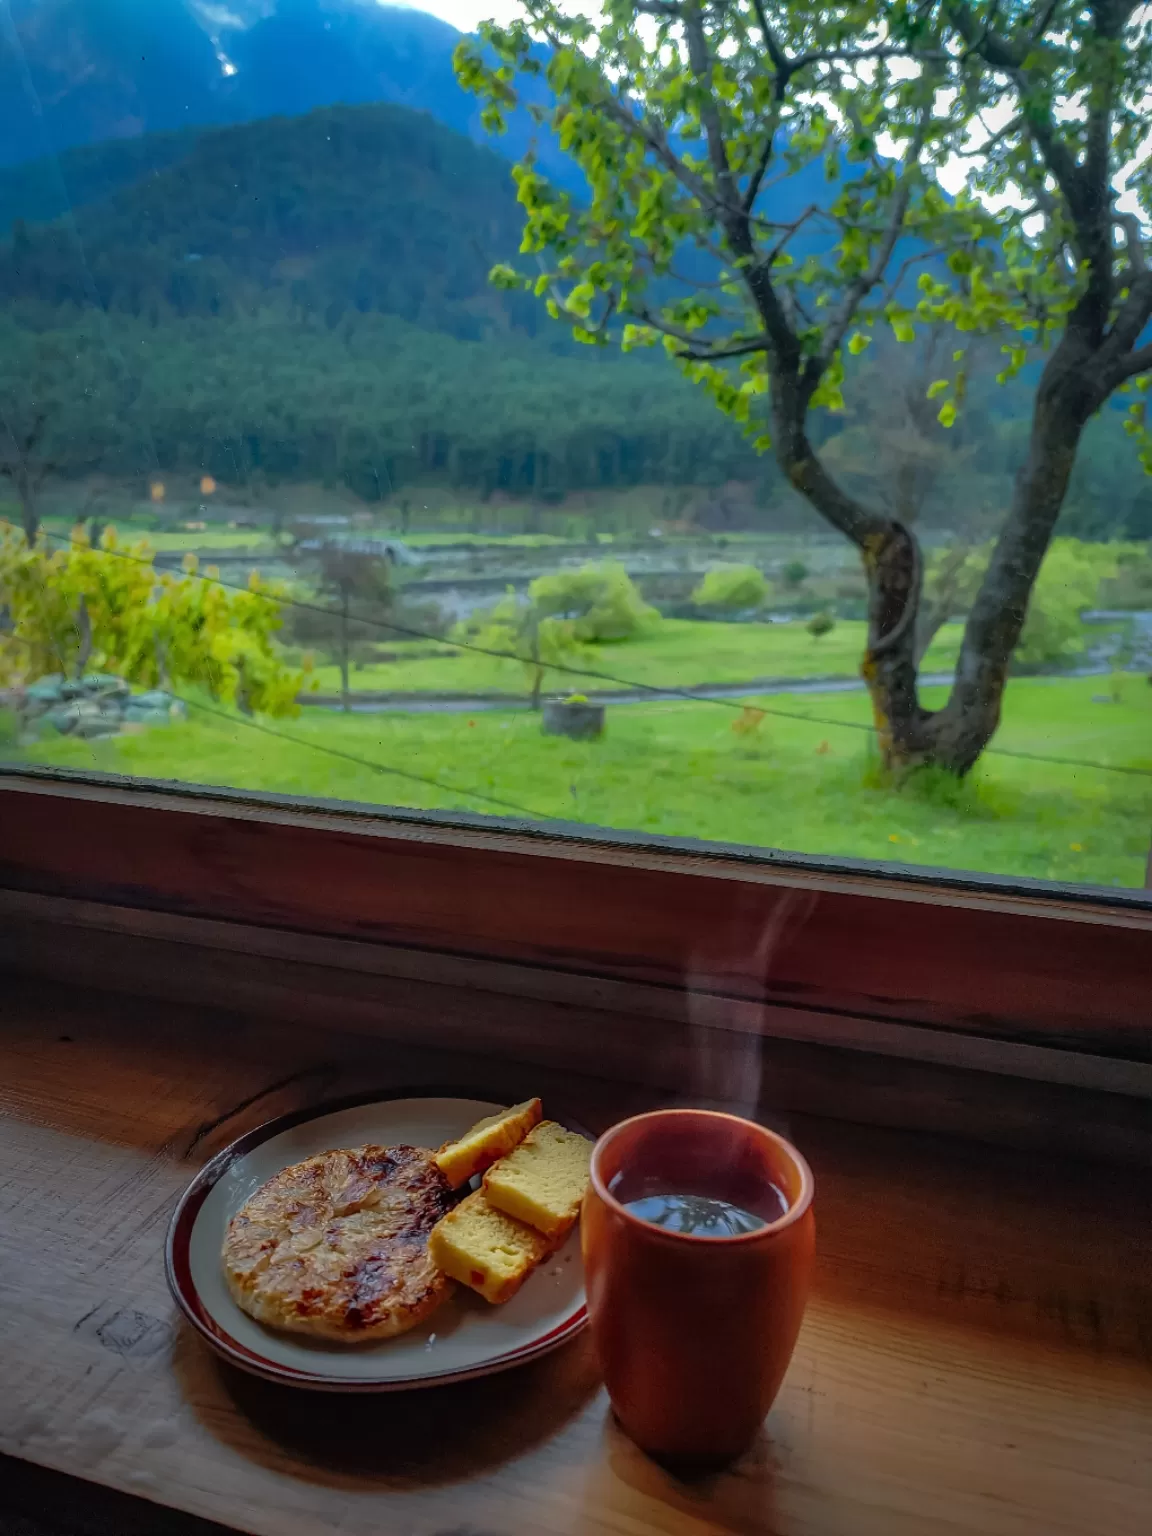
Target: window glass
x=719, y=422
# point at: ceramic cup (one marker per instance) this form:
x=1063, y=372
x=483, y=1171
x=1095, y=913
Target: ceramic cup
x=694, y=1333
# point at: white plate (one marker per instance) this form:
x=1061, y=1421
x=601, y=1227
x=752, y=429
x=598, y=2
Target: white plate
x=466, y=1336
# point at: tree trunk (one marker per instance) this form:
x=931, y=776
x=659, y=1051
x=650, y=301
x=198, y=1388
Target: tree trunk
x=967, y=723
x=29, y=511
x=955, y=736
x=893, y=566
x=909, y=735
x=345, y=700
x=84, y=633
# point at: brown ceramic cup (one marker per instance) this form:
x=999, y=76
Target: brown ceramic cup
x=694, y=1333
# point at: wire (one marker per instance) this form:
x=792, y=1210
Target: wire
x=656, y=689
x=362, y=762
x=348, y=757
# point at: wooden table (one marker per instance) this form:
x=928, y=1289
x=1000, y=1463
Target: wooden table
x=977, y=1356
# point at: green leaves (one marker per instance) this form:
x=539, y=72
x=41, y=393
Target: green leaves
x=504, y=276
x=673, y=124
x=902, y=327
x=155, y=629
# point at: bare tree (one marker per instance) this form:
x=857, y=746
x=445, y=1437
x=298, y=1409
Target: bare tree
x=26, y=462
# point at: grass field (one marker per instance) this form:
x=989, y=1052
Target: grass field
x=806, y=784
x=675, y=653
x=167, y=543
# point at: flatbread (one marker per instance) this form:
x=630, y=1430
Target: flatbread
x=337, y=1245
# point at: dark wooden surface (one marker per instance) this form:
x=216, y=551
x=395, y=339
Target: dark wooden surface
x=747, y=926
x=977, y=1355
x=35, y=1501
x=669, y=1042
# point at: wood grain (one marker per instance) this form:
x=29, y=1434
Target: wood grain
x=668, y=1041
x=977, y=1357
x=747, y=925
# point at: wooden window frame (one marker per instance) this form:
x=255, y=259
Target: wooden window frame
x=839, y=943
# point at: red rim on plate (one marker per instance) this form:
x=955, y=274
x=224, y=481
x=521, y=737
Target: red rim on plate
x=177, y=1263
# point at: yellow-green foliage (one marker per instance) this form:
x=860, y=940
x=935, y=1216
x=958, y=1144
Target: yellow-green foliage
x=1070, y=581
x=734, y=588
x=105, y=607
x=599, y=599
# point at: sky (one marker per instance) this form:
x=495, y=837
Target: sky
x=465, y=14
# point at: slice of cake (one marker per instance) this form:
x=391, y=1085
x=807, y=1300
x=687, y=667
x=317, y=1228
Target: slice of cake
x=543, y=1181
x=484, y=1248
x=488, y=1140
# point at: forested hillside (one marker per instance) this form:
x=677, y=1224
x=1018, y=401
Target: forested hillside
x=308, y=299
x=369, y=209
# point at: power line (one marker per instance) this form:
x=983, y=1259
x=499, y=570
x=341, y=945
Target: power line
x=348, y=757
x=363, y=762
x=656, y=689
x=387, y=625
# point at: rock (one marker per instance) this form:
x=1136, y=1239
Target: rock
x=88, y=727
x=581, y=722
x=45, y=691
x=99, y=704
x=147, y=717
x=62, y=718
x=156, y=699
x=105, y=684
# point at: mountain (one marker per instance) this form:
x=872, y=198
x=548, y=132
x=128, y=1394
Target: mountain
x=79, y=72
x=40, y=190
x=307, y=298
x=360, y=209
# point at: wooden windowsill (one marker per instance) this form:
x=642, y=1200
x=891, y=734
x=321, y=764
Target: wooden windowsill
x=977, y=1356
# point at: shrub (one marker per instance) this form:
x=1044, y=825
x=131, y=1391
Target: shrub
x=599, y=600
x=820, y=624
x=104, y=608
x=732, y=588
x=517, y=629
x=794, y=573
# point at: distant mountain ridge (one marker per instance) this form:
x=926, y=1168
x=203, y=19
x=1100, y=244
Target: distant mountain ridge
x=368, y=209
x=80, y=72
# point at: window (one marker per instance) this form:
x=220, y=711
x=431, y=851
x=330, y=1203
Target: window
x=668, y=500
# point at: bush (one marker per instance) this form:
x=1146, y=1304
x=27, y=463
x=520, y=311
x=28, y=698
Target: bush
x=732, y=588
x=820, y=624
x=104, y=608
x=1069, y=582
x=599, y=600
x=520, y=631
x=794, y=573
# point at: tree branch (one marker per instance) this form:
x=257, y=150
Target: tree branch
x=1134, y=363
x=910, y=261
x=1133, y=240
x=1008, y=56
x=764, y=160
x=863, y=285
x=736, y=349
x=700, y=63
x=1134, y=315
x=739, y=347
